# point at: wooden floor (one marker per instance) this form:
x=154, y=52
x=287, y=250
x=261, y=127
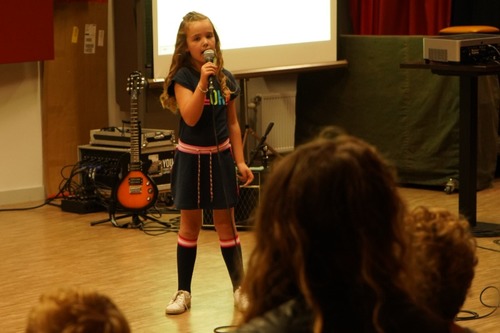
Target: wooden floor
x=44, y=248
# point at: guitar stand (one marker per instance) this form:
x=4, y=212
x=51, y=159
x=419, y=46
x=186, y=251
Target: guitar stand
x=136, y=222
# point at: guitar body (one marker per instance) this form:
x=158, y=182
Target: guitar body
x=136, y=191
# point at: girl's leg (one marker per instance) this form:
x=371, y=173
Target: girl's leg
x=187, y=240
x=230, y=244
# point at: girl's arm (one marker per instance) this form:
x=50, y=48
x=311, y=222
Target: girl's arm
x=245, y=174
x=191, y=102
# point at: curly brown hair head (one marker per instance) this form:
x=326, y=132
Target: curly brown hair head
x=71, y=310
x=445, y=253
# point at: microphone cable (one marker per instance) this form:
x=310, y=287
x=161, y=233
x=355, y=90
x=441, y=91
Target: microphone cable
x=472, y=315
x=238, y=252
x=221, y=174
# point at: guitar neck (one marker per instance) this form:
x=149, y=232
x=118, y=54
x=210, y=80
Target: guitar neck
x=135, y=84
x=135, y=161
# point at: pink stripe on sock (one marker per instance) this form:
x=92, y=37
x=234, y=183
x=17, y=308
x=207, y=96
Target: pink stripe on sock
x=229, y=242
x=186, y=242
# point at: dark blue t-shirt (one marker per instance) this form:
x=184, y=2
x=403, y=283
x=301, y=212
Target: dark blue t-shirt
x=214, y=112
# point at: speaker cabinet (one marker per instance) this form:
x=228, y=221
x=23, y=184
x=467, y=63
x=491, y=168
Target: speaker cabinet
x=245, y=207
x=106, y=164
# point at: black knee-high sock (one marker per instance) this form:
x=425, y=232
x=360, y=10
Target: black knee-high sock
x=186, y=257
x=231, y=252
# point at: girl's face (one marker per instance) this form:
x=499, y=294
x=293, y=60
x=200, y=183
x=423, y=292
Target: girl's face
x=199, y=37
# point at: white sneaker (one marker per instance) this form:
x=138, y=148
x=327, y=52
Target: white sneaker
x=180, y=302
x=240, y=300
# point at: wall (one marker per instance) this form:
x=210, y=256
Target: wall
x=21, y=170
x=22, y=131
x=75, y=96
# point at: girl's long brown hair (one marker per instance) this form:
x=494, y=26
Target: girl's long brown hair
x=182, y=58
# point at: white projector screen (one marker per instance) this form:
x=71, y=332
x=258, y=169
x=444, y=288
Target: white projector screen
x=256, y=34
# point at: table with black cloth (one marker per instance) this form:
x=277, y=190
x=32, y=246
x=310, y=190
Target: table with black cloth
x=468, y=133
x=411, y=116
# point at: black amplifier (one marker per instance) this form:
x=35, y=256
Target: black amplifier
x=105, y=165
x=246, y=206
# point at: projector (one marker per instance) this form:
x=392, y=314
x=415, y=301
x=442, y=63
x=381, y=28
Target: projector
x=463, y=48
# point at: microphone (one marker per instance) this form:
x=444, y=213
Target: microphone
x=209, y=56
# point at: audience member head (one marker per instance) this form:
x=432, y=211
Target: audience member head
x=445, y=252
x=76, y=311
x=329, y=228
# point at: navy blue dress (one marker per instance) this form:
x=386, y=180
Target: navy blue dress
x=206, y=181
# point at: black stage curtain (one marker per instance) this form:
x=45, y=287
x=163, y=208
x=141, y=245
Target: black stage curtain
x=475, y=12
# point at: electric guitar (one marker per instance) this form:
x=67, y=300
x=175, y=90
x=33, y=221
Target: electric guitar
x=136, y=191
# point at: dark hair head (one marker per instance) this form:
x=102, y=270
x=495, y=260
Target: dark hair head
x=329, y=227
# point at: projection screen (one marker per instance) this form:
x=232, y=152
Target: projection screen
x=255, y=34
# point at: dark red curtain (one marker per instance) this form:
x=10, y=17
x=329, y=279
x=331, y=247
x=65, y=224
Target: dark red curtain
x=26, y=31
x=399, y=17
x=61, y=1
